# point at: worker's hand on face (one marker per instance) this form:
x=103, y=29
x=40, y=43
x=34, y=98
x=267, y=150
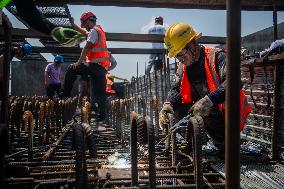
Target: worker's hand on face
x=202, y=107
x=163, y=115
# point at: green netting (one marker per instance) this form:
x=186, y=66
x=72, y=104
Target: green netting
x=3, y=3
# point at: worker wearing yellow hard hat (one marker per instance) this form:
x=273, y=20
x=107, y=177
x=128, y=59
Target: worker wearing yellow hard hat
x=201, y=80
x=178, y=36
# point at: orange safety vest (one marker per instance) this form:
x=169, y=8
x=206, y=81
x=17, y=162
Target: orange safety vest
x=109, y=90
x=98, y=52
x=213, y=82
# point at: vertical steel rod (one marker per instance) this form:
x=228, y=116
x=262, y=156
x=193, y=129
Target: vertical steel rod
x=168, y=76
x=4, y=114
x=275, y=28
x=277, y=98
x=232, y=120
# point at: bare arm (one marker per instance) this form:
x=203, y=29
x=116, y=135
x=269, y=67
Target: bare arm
x=78, y=28
x=84, y=52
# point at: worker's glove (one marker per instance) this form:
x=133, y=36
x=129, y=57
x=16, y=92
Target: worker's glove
x=202, y=107
x=163, y=115
x=67, y=37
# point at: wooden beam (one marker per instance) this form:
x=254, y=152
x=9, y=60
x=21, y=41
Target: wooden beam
x=178, y=4
x=127, y=37
x=75, y=50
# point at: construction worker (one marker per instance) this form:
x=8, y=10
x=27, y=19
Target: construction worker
x=201, y=85
x=114, y=88
x=97, y=58
x=19, y=52
x=84, y=82
x=109, y=81
x=52, y=76
x=156, y=60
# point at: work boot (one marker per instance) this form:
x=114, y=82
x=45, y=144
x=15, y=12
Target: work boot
x=67, y=37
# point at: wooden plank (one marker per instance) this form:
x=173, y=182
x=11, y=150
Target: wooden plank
x=265, y=5
x=127, y=37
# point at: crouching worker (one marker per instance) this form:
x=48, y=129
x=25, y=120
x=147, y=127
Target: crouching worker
x=201, y=86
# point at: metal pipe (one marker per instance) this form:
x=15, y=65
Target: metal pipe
x=4, y=117
x=165, y=67
x=133, y=149
x=277, y=97
x=275, y=27
x=168, y=75
x=162, y=85
x=276, y=111
x=4, y=114
x=232, y=119
x=55, y=145
x=152, y=153
x=150, y=87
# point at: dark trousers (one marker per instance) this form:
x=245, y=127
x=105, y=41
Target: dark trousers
x=98, y=76
x=215, y=126
x=51, y=89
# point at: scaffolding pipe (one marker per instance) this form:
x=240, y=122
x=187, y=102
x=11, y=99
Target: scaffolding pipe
x=275, y=27
x=232, y=119
x=4, y=112
x=277, y=97
x=133, y=149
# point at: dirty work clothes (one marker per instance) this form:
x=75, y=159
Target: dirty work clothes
x=53, y=73
x=51, y=89
x=214, y=123
x=98, y=76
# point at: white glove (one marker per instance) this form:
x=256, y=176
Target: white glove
x=202, y=107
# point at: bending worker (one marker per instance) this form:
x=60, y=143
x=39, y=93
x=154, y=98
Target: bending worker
x=97, y=58
x=201, y=85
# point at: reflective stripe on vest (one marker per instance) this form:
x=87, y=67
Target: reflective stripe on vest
x=98, y=52
x=213, y=82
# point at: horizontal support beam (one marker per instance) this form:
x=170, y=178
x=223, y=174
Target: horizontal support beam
x=75, y=50
x=126, y=37
x=254, y=5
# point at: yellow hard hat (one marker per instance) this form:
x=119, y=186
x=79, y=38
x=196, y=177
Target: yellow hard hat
x=178, y=36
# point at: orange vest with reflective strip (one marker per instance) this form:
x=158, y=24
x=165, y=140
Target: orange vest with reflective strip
x=213, y=82
x=108, y=86
x=98, y=52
